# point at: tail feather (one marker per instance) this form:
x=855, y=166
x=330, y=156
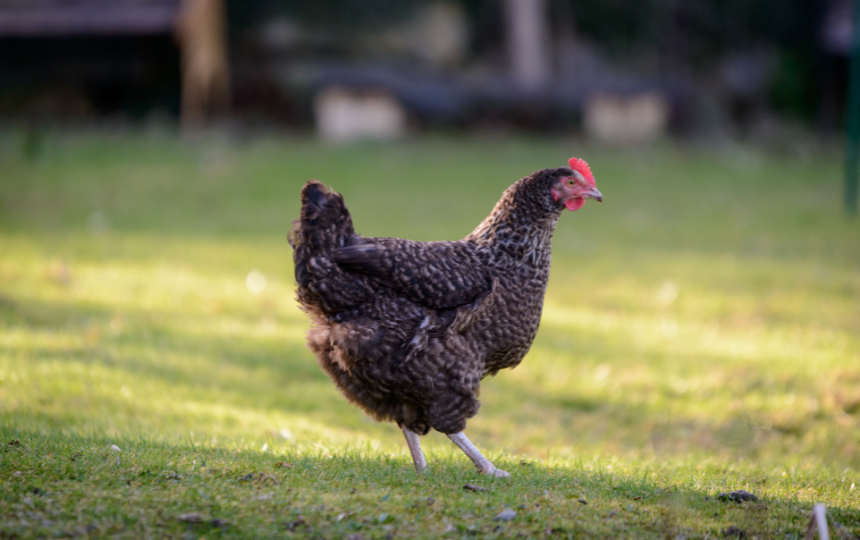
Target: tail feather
x=324, y=225
x=315, y=197
x=325, y=222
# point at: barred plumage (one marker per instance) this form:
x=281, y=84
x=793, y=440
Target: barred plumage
x=408, y=329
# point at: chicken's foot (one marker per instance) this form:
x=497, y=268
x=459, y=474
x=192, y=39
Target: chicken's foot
x=483, y=464
x=415, y=448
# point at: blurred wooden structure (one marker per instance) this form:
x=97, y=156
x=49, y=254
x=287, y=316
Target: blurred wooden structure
x=201, y=33
x=528, y=42
x=626, y=118
x=348, y=114
x=65, y=18
x=198, y=25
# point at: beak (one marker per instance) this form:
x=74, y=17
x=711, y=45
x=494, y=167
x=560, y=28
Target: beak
x=593, y=193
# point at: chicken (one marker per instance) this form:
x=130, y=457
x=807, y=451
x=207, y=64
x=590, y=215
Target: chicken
x=408, y=329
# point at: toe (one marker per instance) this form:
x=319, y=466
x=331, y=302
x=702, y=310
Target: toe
x=496, y=472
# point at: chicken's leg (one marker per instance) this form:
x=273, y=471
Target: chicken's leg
x=415, y=449
x=483, y=464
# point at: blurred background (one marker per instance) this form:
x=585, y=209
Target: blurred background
x=616, y=70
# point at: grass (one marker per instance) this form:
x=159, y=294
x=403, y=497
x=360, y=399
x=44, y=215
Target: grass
x=701, y=335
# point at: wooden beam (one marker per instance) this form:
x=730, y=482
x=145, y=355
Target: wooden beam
x=87, y=20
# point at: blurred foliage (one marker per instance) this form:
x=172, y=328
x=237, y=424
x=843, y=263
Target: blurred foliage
x=706, y=28
x=794, y=89
x=684, y=36
x=342, y=15
x=694, y=35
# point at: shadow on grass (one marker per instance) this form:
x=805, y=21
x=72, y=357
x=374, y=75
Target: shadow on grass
x=66, y=484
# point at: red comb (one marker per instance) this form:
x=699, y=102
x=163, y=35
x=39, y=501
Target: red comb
x=580, y=165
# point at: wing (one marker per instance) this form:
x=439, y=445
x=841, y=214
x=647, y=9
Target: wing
x=435, y=274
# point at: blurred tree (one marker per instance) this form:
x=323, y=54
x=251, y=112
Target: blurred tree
x=694, y=36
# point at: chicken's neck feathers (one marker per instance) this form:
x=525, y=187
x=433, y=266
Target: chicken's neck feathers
x=519, y=229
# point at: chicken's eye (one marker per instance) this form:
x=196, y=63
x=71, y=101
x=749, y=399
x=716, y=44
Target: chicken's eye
x=571, y=182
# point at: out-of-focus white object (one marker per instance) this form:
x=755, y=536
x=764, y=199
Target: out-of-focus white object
x=622, y=118
x=115, y=448
x=818, y=521
x=667, y=292
x=344, y=115
x=255, y=282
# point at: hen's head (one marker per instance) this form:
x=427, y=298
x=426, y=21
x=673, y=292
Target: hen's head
x=570, y=186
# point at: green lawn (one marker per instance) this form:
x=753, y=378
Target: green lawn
x=701, y=335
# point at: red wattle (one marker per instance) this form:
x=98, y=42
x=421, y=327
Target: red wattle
x=574, y=204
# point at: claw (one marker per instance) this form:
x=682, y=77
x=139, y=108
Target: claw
x=496, y=473
x=483, y=464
